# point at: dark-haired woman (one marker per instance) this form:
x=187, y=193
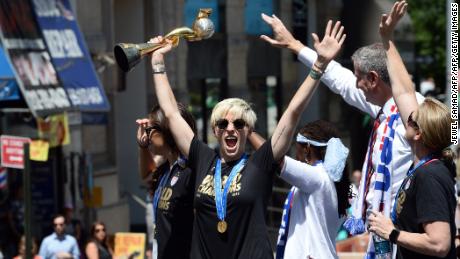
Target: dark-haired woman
x=317, y=203
x=423, y=217
x=97, y=247
x=172, y=184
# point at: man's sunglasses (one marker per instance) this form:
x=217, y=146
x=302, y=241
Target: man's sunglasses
x=149, y=129
x=223, y=124
x=411, y=122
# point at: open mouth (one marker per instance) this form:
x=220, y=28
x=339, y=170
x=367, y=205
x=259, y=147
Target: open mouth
x=231, y=141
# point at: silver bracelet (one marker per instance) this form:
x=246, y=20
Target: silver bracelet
x=159, y=68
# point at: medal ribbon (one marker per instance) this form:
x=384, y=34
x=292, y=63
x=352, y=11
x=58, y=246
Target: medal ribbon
x=425, y=160
x=156, y=198
x=221, y=195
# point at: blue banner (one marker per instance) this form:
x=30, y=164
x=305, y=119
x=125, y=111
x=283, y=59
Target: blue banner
x=254, y=24
x=35, y=74
x=9, y=90
x=70, y=55
x=192, y=7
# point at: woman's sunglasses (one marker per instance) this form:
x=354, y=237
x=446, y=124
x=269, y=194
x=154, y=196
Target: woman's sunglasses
x=149, y=129
x=223, y=124
x=411, y=122
x=99, y=230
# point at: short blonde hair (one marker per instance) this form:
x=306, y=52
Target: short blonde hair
x=236, y=106
x=433, y=119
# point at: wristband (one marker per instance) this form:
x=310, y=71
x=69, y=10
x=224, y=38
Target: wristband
x=315, y=74
x=159, y=68
x=318, y=68
x=394, y=235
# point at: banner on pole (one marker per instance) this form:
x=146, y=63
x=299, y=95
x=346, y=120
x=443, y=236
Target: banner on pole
x=26, y=50
x=69, y=55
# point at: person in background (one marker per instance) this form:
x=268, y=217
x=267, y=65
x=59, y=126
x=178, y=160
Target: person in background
x=59, y=244
x=355, y=179
x=422, y=222
x=97, y=246
x=73, y=226
x=22, y=249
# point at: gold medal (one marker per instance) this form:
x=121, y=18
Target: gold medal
x=221, y=226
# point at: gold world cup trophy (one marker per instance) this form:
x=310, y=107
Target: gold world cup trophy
x=129, y=54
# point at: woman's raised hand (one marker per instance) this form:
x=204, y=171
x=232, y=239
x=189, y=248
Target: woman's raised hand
x=158, y=55
x=329, y=47
x=142, y=138
x=388, y=21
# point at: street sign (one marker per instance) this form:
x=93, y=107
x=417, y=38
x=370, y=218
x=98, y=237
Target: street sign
x=13, y=151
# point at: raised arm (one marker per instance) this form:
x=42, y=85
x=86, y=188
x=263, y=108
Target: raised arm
x=148, y=162
x=181, y=131
x=401, y=84
x=338, y=79
x=327, y=49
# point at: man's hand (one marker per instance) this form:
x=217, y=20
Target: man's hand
x=282, y=38
x=388, y=21
x=330, y=46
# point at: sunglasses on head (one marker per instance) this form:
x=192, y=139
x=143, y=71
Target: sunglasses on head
x=411, y=122
x=149, y=129
x=223, y=124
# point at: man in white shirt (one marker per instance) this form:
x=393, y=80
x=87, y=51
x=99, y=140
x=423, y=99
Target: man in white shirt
x=367, y=88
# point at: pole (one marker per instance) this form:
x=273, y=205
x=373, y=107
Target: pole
x=27, y=202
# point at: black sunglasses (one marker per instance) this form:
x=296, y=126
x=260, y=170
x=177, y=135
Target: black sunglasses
x=223, y=124
x=99, y=230
x=149, y=129
x=411, y=122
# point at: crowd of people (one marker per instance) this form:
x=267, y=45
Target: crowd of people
x=60, y=244
x=213, y=203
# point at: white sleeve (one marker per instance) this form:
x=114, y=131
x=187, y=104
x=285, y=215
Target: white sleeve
x=341, y=81
x=301, y=175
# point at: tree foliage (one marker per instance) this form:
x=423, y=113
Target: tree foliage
x=429, y=21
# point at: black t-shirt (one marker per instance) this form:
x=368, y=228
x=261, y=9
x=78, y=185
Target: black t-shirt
x=426, y=196
x=248, y=195
x=174, y=215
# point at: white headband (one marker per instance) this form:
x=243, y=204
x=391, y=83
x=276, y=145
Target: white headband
x=303, y=140
x=335, y=158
